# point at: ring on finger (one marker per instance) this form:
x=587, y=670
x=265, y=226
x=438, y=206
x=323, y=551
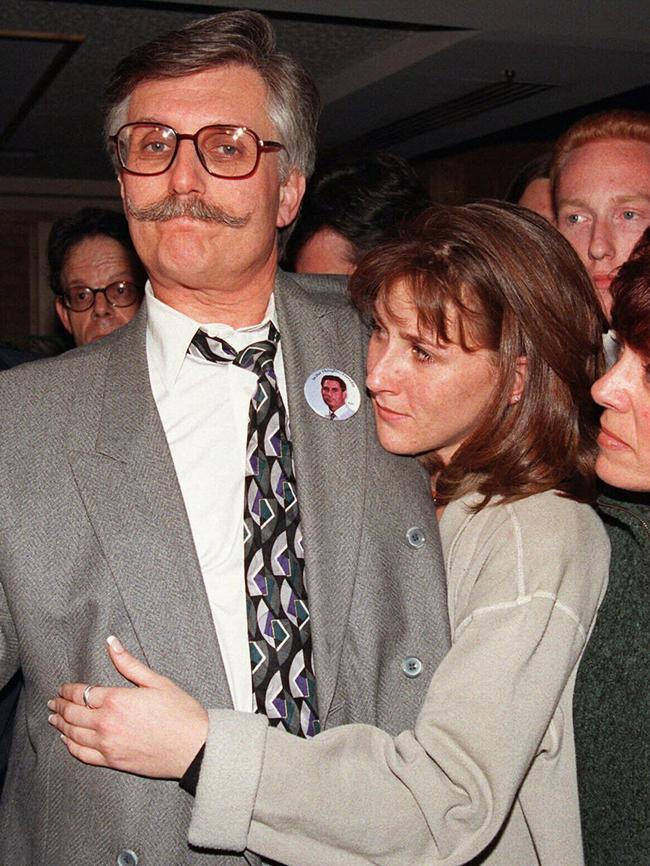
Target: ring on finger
x=86, y=697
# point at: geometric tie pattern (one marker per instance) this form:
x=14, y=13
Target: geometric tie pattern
x=279, y=627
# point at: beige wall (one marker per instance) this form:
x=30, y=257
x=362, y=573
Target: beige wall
x=479, y=172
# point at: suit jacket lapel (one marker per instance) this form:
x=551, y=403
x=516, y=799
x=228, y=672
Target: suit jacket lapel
x=128, y=484
x=330, y=462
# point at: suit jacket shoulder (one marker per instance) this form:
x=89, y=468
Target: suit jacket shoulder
x=332, y=284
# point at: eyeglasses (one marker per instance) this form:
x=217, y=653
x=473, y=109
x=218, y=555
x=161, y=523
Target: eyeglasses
x=120, y=294
x=224, y=151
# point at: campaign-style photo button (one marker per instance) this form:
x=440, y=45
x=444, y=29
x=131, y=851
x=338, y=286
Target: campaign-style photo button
x=332, y=394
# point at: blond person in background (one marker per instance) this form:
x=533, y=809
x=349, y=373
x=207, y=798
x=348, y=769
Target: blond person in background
x=601, y=187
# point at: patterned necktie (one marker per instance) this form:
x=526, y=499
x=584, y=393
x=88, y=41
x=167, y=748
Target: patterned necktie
x=279, y=629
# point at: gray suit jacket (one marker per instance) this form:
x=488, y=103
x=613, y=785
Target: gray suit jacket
x=95, y=540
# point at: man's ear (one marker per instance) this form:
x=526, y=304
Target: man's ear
x=63, y=314
x=291, y=193
x=119, y=180
x=520, y=380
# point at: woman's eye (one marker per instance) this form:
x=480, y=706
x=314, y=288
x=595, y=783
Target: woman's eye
x=421, y=354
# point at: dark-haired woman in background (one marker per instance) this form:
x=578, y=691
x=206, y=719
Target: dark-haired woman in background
x=612, y=706
x=485, y=344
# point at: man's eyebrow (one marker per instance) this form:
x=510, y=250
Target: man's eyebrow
x=622, y=199
x=572, y=202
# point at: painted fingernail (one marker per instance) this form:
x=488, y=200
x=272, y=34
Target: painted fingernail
x=114, y=643
x=50, y=705
x=50, y=718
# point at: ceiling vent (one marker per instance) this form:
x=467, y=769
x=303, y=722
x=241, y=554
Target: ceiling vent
x=453, y=111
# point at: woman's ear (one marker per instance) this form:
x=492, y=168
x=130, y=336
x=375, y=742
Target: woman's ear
x=520, y=380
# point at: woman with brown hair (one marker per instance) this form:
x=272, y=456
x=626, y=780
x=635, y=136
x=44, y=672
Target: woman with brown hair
x=486, y=340
x=612, y=700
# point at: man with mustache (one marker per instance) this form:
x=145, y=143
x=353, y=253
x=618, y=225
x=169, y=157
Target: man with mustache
x=190, y=500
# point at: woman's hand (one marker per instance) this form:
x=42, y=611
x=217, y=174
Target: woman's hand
x=153, y=730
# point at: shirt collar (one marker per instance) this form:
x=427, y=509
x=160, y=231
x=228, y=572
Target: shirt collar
x=170, y=332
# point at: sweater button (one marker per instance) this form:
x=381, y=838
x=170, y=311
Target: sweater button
x=412, y=667
x=415, y=537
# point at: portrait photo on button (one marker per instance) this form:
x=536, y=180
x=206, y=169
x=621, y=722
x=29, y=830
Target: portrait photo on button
x=332, y=394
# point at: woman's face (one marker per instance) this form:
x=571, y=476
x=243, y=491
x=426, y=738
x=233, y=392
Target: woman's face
x=624, y=439
x=426, y=396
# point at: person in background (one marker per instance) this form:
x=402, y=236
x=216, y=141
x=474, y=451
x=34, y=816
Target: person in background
x=600, y=177
x=612, y=705
x=531, y=187
x=350, y=207
x=473, y=309
x=95, y=273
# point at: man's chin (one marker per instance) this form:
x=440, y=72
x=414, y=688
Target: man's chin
x=605, y=298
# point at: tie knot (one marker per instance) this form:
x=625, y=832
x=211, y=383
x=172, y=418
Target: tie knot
x=257, y=357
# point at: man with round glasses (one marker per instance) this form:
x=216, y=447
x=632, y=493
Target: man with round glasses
x=95, y=273
x=173, y=486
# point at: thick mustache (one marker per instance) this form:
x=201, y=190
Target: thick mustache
x=172, y=207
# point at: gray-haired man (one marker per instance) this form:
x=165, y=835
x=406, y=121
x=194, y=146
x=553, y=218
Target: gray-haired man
x=127, y=486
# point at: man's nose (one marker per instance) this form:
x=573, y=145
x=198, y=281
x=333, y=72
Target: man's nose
x=102, y=306
x=186, y=173
x=601, y=241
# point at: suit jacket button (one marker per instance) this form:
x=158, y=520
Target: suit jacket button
x=412, y=667
x=415, y=536
x=127, y=858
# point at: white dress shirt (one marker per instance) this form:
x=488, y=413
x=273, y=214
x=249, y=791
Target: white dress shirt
x=343, y=413
x=204, y=408
x=610, y=348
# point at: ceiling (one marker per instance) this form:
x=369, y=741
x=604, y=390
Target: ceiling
x=417, y=76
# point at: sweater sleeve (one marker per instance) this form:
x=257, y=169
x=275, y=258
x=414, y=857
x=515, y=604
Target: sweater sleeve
x=440, y=793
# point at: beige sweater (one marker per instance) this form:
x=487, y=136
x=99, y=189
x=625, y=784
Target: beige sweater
x=490, y=764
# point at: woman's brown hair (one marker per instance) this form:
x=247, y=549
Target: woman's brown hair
x=520, y=290
x=631, y=298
